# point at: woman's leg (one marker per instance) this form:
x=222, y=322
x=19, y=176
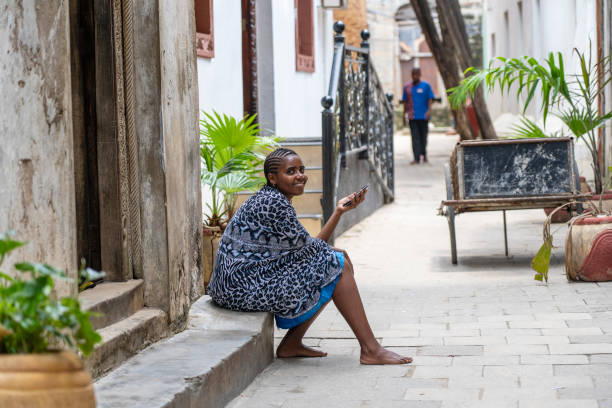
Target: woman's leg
x=291, y=345
x=347, y=300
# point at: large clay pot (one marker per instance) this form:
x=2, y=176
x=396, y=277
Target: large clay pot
x=211, y=236
x=588, y=249
x=55, y=379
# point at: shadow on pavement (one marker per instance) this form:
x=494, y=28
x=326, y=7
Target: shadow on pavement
x=487, y=263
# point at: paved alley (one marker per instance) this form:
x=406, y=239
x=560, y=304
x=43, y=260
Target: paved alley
x=482, y=333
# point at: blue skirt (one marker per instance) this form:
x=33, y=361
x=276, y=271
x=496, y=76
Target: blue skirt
x=326, y=294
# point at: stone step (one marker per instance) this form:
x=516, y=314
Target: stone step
x=315, y=178
x=312, y=223
x=310, y=152
x=207, y=365
x=308, y=203
x=125, y=338
x=113, y=301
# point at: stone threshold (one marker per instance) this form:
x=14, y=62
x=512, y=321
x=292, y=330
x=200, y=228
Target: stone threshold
x=208, y=364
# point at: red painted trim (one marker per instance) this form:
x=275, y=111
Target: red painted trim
x=594, y=220
x=606, y=196
x=205, y=41
x=597, y=267
x=304, y=22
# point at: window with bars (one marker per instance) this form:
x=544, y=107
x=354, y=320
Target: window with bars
x=205, y=41
x=304, y=36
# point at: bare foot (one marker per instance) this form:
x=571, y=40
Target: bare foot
x=382, y=356
x=297, y=350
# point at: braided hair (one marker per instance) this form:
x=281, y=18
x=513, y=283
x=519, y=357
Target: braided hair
x=274, y=160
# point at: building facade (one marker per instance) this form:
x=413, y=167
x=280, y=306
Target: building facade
x=100, y=157
x=285, y=48
x=535, y=28
x=515, y=28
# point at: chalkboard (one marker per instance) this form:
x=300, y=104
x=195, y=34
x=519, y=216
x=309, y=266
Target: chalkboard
x=525, y=168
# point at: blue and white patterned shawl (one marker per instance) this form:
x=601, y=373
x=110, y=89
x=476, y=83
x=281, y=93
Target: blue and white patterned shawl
x=268, y=262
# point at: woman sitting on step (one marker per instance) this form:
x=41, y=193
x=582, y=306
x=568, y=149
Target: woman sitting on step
x=268, y=262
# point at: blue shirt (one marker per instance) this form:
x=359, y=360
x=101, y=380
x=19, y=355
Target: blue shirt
x=420, y=94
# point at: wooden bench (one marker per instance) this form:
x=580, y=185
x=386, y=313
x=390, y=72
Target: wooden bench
x=510, y=174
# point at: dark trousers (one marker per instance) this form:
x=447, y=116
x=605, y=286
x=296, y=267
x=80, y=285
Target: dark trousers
x=418, y=130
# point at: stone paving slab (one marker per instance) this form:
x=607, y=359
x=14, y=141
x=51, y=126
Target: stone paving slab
x=482, y=333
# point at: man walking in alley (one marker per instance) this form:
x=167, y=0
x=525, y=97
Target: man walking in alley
x=417, y=100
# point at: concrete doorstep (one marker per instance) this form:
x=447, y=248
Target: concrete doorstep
x=207, y=365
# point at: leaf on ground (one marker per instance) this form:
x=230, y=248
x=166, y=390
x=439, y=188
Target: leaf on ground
x=541, y=261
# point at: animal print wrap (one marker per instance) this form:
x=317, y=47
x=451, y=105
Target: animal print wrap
x=268, y=262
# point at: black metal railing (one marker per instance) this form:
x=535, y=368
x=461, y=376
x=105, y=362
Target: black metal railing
x=357, y=119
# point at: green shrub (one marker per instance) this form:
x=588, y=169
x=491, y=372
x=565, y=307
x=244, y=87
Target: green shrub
x=31, y=320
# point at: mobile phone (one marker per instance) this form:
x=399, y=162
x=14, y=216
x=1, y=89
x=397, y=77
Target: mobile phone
x=361, y=191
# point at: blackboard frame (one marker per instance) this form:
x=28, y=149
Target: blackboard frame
x=460, y=165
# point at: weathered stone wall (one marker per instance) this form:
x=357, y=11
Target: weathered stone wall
x=355, y=19
x=36, y=157
x=179, y=115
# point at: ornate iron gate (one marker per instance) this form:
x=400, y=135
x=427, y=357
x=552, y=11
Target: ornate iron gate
x=357, y=119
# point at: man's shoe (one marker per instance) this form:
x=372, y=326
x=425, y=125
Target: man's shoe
x=414, y=162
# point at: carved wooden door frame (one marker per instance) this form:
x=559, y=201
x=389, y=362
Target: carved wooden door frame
x=249, y=57
x=107, y=151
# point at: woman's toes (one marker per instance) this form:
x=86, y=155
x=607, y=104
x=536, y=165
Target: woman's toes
x=383, y=356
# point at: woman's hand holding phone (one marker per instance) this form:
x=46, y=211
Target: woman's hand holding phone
x=352, y=200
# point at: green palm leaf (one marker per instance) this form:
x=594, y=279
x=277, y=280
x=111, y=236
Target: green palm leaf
x=580, y=122
x=528, y=129
x=232, y=157
x=236, y=182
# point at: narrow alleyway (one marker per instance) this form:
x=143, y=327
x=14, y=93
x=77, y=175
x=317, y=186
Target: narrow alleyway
x=482, y=333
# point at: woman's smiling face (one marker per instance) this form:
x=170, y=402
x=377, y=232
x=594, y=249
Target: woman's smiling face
x=290, y=179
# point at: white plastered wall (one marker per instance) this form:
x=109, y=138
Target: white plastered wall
x=547, y=26
x=220, y=77
x=298, y=94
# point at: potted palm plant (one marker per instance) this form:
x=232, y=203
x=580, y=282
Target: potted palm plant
x=35, y=371
x=573, y=99
x=232, y=153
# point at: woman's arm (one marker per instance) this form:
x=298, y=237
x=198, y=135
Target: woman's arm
x=331, y=224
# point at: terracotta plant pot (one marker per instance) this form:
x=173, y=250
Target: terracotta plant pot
x=588, y=249
x=55, y=379
x=210, y=242
x=563, y=215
